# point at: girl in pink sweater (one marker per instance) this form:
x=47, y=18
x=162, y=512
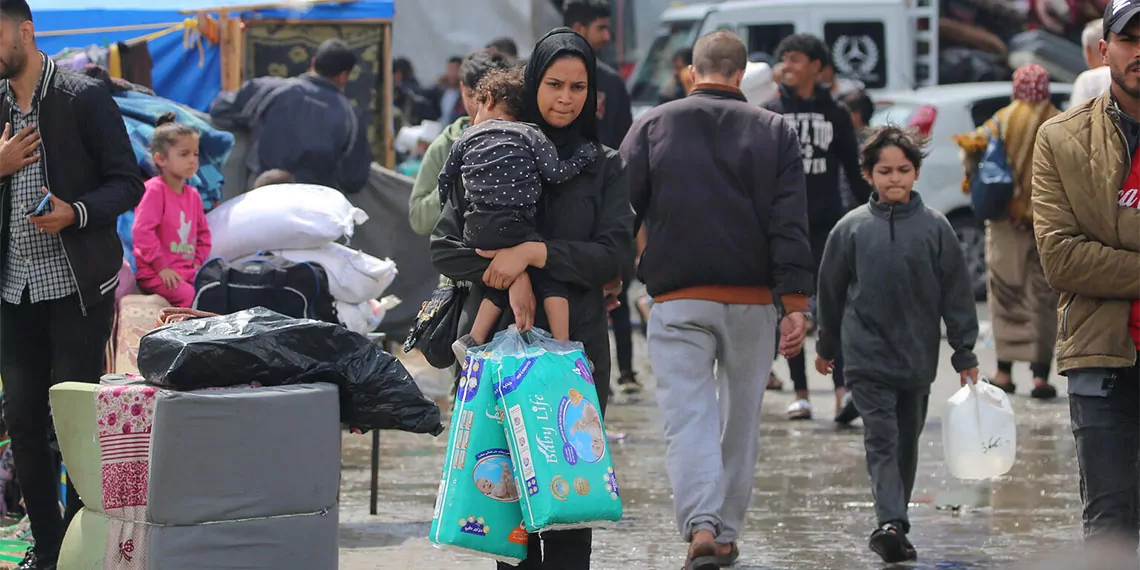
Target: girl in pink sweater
x=171, y=237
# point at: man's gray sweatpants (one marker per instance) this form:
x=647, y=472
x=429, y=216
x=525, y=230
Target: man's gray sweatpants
x=892, y=422
x=701, y=350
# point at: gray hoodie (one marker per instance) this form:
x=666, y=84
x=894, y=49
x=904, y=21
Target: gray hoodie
x=890, y=273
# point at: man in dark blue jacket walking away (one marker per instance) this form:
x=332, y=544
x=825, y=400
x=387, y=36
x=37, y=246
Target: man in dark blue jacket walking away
x=303, y=125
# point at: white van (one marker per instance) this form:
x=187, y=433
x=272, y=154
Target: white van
x=886, y=44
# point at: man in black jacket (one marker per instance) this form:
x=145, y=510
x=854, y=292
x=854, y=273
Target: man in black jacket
x=591, y=19
x=720, y=185
x=827, y=142
x=58, y=265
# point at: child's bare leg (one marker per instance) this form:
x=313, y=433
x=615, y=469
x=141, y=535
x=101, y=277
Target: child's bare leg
x=558, y=315
x=484, y=323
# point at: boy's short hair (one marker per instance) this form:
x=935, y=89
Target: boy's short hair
x=505, y=46
x=584, y=12
x=807, y=44
x=275, y=176
x=506, y=88
x=476, y=65
x=860, y=102
x=911, y=142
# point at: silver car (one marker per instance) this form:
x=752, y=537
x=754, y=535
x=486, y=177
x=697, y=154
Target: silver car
x=940, y=112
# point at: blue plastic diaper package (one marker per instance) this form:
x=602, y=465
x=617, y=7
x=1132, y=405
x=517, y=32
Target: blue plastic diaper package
x=477, y=509
x=554, y=430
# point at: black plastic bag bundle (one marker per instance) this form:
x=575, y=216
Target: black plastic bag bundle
x=259, y=345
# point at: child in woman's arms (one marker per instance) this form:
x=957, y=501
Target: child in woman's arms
x=171, y=238
x=502, y=164
x=892, y=270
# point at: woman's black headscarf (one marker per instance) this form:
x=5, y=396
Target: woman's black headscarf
x=559, y=43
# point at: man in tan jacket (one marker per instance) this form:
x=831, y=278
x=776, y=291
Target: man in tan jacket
x=1086, y=181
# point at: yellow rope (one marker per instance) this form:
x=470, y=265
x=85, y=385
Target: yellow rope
x=106, y=30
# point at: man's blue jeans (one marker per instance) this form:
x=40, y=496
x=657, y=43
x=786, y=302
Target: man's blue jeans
x=1107, y=433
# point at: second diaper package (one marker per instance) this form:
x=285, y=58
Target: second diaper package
x=554, y=430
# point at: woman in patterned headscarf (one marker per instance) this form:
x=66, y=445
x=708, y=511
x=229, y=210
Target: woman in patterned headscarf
x=1022, y=305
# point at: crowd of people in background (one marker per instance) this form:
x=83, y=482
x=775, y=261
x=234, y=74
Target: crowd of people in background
x=830, y=204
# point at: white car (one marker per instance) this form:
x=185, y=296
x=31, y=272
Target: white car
x=940, y=112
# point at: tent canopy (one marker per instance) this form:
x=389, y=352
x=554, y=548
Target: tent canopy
x=189, y=75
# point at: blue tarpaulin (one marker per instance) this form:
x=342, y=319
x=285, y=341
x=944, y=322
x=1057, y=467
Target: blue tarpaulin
x=187, y=75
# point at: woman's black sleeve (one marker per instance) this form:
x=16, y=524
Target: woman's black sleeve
x=448, y=253
x=593, y=264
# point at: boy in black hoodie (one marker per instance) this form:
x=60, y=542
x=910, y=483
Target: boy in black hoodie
x=827, y=142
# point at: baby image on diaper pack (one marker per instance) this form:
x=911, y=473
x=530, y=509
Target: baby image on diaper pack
x=477, y=509
x=495, y=477
x=581, y=427
x=554, y=430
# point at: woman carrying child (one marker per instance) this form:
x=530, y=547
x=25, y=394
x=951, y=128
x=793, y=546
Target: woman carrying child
x=171, y=238
x=892, y=270
x=503, y=164
x=585, y=225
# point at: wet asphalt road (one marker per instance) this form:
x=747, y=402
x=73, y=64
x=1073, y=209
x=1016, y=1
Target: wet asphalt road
x=811, y=507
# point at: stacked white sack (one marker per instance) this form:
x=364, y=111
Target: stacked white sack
x=281, y=216
x=354, y=276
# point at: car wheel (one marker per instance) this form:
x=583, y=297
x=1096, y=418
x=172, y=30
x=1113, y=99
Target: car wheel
x=972, y=236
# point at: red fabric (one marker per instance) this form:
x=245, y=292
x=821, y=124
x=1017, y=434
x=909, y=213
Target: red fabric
x=1129, y=197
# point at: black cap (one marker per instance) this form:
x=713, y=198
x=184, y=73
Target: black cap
x=1117, y=15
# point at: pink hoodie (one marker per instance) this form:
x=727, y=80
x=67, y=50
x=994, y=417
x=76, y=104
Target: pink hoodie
x=170, y=231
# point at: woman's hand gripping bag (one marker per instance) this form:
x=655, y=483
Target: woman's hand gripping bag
x=477, y=509
x=555, y=431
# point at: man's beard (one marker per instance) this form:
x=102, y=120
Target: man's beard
x=1120, y=79
x=15, y=63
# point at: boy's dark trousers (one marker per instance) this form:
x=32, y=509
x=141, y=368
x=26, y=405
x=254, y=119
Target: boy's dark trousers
x=42, y=344
x=1107, y=433
x=892, y=423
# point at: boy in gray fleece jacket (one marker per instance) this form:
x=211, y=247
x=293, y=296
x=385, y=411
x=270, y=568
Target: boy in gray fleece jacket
x=891, y=271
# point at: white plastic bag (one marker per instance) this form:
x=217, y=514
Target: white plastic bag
x=365, y=317
x=979, y=435
x=281, y=216
x=354, y=276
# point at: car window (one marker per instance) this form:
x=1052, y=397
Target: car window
x=859, y=50
x=763, y=39
x=1061, y=100
x=983, y=109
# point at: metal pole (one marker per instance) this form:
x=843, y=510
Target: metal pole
x=375, y=471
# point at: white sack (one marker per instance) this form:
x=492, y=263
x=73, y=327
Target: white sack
x=354, y=276
x=281, y=216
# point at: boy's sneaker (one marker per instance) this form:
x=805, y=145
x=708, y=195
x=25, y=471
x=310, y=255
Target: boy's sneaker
x=799, y=410
x=460, y=348
x=889, y=542
x=847, y=411
x=628, y=384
